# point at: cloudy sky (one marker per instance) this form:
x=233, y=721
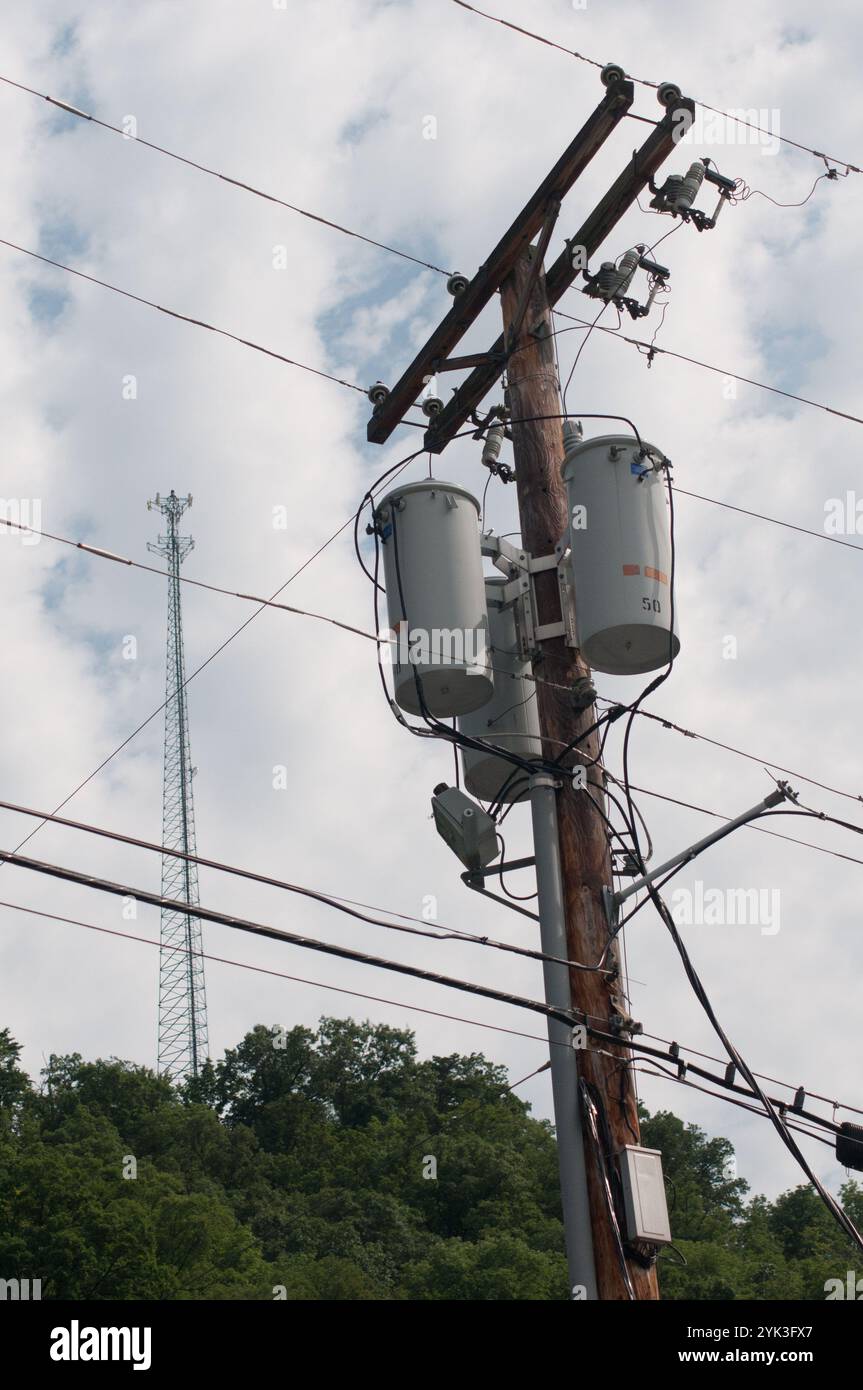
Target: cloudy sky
x=328, y=108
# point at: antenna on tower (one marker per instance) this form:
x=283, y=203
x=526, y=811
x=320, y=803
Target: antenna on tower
x=182, y=994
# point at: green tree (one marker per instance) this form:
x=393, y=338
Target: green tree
x=337, y=1165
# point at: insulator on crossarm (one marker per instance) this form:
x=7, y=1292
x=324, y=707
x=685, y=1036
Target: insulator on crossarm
x=605, y=284
x=492, y=445
x=684, y=196
x=612, y=280
x=627, y=268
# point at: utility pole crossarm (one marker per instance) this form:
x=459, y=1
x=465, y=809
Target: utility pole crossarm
x=469, y=304
x=561, y=275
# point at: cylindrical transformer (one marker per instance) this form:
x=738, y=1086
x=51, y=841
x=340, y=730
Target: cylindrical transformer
x=510, y=718
x=620, y=540
x=435, y=598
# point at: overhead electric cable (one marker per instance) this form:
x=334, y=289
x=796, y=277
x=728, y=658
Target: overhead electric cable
x=257, y=347
x=282, y=975
x=650, y=1054
x=403, y=463
x=774, y=520
x=709, y=367
x=645, y=82
x=659, y=1072
x=774, y=1081
x=185, y=578
x=730, y=748
x=214, y=173
x=775, y=834
x=261, y=929
x=185, y=318
x=346, y=905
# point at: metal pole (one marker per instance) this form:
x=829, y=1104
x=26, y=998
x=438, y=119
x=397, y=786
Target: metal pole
x=564, y=1063
x=686, y=854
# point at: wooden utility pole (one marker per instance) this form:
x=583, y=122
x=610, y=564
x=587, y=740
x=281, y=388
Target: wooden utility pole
x=534, y=390
x=572, y=856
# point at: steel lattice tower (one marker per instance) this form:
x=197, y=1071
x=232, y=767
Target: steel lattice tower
x=182, y=993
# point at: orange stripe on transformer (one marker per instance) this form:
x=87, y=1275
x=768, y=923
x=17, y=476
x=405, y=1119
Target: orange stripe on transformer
x=632, y=569
x=650, y=573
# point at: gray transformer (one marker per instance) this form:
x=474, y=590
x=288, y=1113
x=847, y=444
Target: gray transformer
x=620, y=539
x=510, y=718
x=435, y=597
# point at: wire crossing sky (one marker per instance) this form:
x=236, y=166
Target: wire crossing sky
x=409, y=166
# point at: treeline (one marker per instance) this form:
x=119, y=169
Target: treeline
x=337, y=1165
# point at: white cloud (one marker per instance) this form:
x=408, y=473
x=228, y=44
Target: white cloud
x=328, y=114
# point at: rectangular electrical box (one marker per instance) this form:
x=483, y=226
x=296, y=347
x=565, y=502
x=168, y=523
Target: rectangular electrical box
x=467, y=829
x=644, y=1195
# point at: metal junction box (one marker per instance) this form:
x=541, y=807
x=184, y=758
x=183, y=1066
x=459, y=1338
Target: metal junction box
x=644, y=1195
x=467, y=829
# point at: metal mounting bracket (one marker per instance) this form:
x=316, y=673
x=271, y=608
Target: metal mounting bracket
x=530, y=630
x=520, y=568
x=474, y=881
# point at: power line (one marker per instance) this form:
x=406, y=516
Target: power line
x=158, y=710
x=186, y=579
x=214, y=173
x=650, y=348
x=645, y=82
x=653, y=350
x=403, y=463
x=659, y=1072
x=650, y=1054
x=774, y=521
x=104, y=554
x=774, y=1081
x=744, y=192
x=101, y=553
x=774, y=1110
x=260, y=929
x=531, y=1074
x=430, y=931
x=726, y=1082
x=775, y=834
x=336, y=622
x=739, y=752
x=185, y=318
x=281, y=975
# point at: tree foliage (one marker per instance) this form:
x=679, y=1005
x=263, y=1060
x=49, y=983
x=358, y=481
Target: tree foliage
x=337, y=1165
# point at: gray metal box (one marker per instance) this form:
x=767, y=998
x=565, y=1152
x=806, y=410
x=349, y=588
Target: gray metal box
x=467, y=829
x=644, y=1195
